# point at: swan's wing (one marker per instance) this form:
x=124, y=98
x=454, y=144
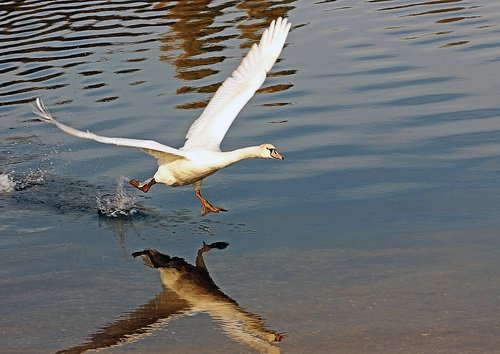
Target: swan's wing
x=149, y=146
x=209, y=129
x=132, y=326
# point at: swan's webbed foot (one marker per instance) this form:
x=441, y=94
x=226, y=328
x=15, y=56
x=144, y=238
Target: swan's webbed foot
x=206, y=206
x=145, y=186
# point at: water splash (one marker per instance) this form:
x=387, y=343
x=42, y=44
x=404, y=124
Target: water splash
x=37, y=187
x=6, y=183
x=10, y=182
x=30, y=179
x=118, y=205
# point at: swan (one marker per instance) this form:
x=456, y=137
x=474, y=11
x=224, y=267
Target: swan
x=188, y=290
x=201, y=156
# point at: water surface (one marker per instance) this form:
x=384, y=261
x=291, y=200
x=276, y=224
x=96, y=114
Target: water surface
x=377, y=234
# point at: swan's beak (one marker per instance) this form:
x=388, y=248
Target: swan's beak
x=276, y=155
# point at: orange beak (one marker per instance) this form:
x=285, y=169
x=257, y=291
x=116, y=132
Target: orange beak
x=276, y=155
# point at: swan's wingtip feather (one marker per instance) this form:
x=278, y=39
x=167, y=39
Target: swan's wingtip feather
x=39, y=108
x=237, y=89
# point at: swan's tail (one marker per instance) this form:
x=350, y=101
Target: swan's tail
x=42, y=112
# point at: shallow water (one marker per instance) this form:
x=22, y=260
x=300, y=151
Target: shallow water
x=377, y=234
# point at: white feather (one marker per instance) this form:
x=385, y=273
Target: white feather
x=201, y=156
x=152, y=147
x=210, y=128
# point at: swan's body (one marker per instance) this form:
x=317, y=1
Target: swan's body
x=201, y=155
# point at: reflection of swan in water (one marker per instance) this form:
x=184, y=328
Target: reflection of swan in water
x=187, y=289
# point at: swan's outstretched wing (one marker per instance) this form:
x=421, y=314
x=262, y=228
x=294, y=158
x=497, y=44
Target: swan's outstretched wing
x=139, y=323
x=151, y=147
x=209, y=129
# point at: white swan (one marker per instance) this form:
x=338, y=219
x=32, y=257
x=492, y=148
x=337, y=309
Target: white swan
x=201, y=155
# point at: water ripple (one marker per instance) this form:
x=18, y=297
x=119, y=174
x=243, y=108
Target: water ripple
x=59, y=37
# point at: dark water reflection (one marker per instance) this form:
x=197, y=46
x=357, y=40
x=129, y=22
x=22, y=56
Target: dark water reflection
x=45, y=42
x=187, y=290
x=378, y=234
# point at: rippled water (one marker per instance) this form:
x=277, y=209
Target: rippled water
x=377, y=234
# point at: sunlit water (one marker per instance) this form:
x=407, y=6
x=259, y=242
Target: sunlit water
x=379, y=233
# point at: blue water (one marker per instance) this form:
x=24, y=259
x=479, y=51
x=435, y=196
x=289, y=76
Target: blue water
x=377, y=234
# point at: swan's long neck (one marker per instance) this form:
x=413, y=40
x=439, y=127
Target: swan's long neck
x=230, y=157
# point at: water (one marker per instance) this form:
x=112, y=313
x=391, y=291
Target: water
x=377, y=234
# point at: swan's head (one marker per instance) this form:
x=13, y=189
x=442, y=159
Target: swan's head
x=268, y=151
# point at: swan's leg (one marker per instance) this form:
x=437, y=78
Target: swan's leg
x=200, y=262
x=206, y=207
x=144, y=186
